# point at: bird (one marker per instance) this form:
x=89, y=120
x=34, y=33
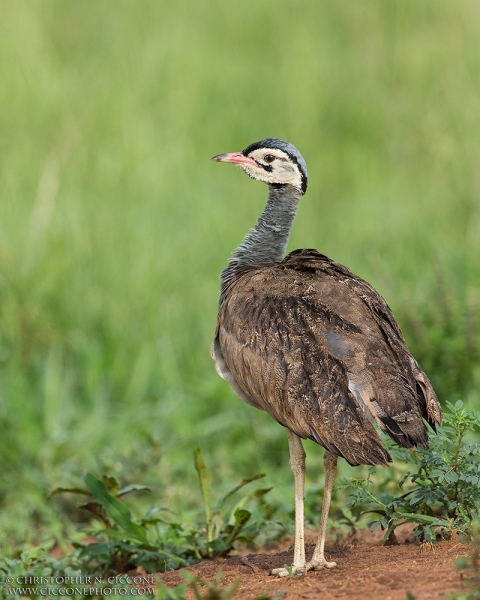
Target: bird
x=315, y=346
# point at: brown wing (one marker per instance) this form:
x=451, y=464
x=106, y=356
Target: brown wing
x=319, y=350
x=398, y=385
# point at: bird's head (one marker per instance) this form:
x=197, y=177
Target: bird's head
x=275, y=162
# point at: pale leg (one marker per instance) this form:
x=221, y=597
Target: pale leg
x=297, y=465
x=318, y=559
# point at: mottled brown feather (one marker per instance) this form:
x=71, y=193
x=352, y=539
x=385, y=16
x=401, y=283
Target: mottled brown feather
x=319, y=349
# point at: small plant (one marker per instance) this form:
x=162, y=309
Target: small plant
x=225, y=527
x=165, y=593
x=213, y=591
x=99, y=494
x=36, y=574
x=443, y=483
x=344, y=526
x=35, y=564
x=158, y=542
x=123, y=543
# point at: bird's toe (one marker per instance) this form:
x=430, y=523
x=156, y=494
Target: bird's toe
x=317, y=565
x=288, y=571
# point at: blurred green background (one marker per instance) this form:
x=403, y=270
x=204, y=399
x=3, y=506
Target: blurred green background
x=114, y=224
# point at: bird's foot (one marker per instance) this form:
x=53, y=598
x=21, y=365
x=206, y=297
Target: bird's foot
x=289, y=571
x=313, y=565
x=320, y=563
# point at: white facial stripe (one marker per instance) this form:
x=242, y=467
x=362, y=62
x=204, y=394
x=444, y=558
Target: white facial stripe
x=281, y=171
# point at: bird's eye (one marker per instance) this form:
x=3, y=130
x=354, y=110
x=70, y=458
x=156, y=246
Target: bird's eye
x=269, y=158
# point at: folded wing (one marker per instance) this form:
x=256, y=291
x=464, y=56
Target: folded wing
x=320, y=351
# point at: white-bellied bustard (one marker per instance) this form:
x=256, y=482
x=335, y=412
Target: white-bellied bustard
x=315, y=346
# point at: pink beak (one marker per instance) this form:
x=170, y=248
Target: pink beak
x=237, y=158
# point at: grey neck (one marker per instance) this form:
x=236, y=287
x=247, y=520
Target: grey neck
x=265, y=245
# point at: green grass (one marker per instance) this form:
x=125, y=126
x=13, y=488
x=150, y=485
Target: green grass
x=114, y=225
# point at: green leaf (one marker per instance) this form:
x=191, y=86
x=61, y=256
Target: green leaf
x=424, y=519
x=125, y=536
x=450, y=430
x=205, y=488
x=242, y=484
x=241, y=518
x=133, y=487
x=461, y=562
x=72, y=490
x=258, y=493
x=116, y=510
x=451, y=477
x=218, y=545
x=97, y=549
x=111, y=484
x=166, y=593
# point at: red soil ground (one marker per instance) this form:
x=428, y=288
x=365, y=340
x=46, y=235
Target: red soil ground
x=365, y=571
